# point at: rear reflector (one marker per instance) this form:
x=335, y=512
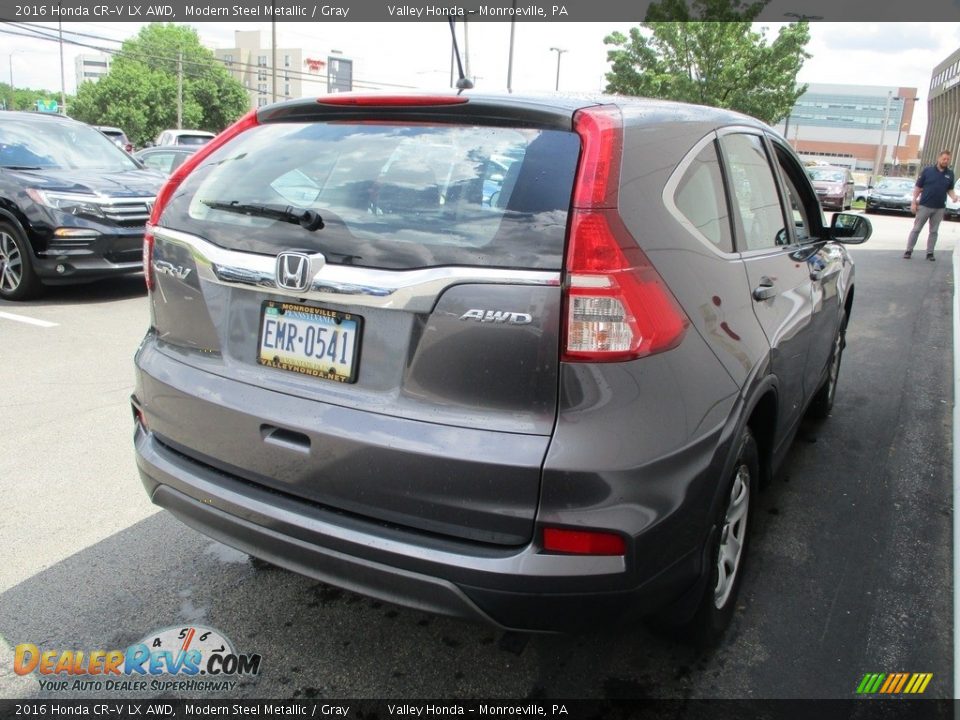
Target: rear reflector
x=391, y=100
x=583, y=542
x=617, y=307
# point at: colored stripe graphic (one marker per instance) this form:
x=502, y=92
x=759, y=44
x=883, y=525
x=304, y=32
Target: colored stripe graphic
x=894, y=683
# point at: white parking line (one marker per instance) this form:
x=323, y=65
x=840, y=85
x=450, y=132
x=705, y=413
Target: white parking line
x=27, y=320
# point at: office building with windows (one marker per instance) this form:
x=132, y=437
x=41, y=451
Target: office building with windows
x=943, y=111
x=297, y=74
x=864, y=127
x=252, y=65
x=91, y=68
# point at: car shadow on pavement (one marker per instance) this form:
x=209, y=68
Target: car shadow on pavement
x=315, y=640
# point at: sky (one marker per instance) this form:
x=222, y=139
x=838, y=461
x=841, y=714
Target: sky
x=418, y=54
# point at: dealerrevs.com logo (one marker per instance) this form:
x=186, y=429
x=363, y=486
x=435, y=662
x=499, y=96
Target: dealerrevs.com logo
x=173, y=659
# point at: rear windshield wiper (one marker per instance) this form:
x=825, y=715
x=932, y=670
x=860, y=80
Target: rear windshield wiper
x=21, y=167
x=305, y=218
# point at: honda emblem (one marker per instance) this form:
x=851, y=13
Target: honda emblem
x=293, y=271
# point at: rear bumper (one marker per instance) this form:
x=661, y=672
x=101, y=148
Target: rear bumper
x=518, y=589
x=516, y=586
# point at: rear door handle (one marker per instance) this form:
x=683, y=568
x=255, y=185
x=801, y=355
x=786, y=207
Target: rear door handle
x=765, y=290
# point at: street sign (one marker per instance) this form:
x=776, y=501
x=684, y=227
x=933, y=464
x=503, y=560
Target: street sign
x=49, y=106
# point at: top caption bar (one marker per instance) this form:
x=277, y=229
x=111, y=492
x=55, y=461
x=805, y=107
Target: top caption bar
x=497, y=11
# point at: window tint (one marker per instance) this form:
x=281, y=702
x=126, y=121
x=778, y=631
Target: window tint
x=391, y=196
x=757, y=201
x=700, y=197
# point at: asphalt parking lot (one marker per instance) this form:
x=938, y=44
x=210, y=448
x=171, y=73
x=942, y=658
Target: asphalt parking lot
x=850, y=571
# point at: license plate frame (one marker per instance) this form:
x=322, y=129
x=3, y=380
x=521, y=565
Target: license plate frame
x=346, y=329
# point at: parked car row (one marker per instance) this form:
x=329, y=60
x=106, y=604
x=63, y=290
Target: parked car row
x=167, y=138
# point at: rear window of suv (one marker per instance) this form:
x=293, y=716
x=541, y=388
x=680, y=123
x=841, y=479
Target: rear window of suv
x=392, y=196
x=192, y=139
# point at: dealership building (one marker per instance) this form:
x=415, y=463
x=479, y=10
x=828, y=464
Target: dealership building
x=866, y=128
x=943, y=111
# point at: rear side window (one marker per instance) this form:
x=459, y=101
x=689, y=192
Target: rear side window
x=700, y=197
x=755, y=191
x=391, y=196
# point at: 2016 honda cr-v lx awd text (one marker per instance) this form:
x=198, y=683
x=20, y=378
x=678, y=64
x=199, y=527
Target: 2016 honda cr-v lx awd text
x=523, y=360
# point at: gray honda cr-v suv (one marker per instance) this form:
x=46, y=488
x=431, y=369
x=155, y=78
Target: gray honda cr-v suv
x=517, y=359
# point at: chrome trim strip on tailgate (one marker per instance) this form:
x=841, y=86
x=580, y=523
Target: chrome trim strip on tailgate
x=411, y=290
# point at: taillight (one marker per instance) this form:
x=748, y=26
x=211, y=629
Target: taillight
x=617, y=307
x=173, y=182
x=583, y=542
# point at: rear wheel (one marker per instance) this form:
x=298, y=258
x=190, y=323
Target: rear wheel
x=18, y=281
x=822, y=402
x=728, y=549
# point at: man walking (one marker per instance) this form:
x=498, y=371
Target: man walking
x=929, y=202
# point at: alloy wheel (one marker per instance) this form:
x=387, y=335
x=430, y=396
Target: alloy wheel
x=11, y=263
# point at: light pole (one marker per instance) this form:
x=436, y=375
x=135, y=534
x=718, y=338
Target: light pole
x=12, y=96
x=559, y=52
x=896, y=152
x=10, y=67
x=878, y=163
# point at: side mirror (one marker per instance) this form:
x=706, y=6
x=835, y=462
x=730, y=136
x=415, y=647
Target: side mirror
x=850, y=229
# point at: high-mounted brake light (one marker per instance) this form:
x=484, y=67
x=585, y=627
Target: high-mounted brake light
x=583, y=542
x=391, y=100
x=617, y=307
x=173, y=182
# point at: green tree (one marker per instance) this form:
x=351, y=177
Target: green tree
x=26, y=98
x=139, y=93
x=723, y=64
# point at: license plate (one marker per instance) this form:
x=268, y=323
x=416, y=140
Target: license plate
x=309, y=340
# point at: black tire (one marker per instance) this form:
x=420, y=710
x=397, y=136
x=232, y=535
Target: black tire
x=718, y=602
x=822, y=402
x=18, y=280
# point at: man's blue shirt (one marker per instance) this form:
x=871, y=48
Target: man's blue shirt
x=935, y=183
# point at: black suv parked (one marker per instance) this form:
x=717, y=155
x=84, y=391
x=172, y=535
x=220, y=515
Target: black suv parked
x=72, y=204
x=517, y=359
